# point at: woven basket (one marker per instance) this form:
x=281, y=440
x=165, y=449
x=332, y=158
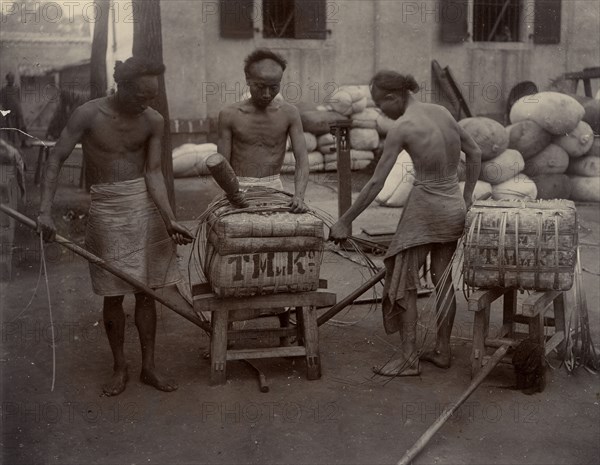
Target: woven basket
x=527, y=245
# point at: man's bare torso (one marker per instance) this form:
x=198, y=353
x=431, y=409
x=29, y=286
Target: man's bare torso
x=114, y=144
x=259, y=138
x=433, y=140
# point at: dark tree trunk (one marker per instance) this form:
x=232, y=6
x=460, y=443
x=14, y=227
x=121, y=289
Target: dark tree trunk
x=147, y=42
x=99, y=43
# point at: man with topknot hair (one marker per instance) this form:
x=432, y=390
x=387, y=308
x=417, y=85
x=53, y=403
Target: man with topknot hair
x=130, y=223
x=432, y=220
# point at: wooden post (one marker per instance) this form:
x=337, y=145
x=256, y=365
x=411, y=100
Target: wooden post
x=341, y=132
x=147, y=42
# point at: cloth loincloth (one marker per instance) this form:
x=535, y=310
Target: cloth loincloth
x=273, y=182
x=434, y=213
x=126, y=230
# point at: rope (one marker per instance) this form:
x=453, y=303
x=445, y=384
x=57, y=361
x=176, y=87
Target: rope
x=49, y=311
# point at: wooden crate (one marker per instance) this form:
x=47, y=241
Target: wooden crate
x=527, y=245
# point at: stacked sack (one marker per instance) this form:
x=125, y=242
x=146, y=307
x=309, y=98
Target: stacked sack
x=502, y=168
x=189, y=160
x=552, y=132
x=354, y=103
x=315, y=158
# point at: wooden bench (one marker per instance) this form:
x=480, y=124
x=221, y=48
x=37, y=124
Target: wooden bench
x=224, y=310
x=531, y=311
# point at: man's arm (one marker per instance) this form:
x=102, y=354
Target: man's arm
x=473, y=162
x=155, y=181
x=394, y=143
x=220, y=167
x=69, y=137
x=296, y=133
x=225, y=134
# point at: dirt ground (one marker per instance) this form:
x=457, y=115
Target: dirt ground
x=349, y=416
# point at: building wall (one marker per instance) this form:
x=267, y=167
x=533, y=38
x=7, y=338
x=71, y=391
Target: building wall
x=205, y=71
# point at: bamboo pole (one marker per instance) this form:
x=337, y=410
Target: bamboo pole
x=448, y=412
x=186, y=312
x=350, y=298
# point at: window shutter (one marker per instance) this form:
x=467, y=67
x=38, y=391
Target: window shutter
x=546, y=28
x=237, y=19
x=454, y=15
x=310, y=19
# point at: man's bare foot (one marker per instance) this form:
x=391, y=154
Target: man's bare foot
x=152, y=379
x=117, y=383
x=398, y=367
x=437, y=357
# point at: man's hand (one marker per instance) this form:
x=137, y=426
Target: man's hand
x=45, y=225
x=339, y=232
x=179, y=233
x=297, y=205
x=238, y=200
x=468, y=202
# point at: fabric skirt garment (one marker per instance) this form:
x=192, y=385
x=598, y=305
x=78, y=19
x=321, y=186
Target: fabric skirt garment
x=434, y=214
x=126, y=230
x=273, y=182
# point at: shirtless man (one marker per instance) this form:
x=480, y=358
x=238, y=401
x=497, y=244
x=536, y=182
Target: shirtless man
x=432, y=221
x=253, y=133
x=130, y=223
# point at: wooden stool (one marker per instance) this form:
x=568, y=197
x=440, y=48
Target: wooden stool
x=306, y=330
x=531, y=312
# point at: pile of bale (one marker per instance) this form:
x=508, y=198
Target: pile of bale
x=558, y=138
x=551, y=150
x=369, y=127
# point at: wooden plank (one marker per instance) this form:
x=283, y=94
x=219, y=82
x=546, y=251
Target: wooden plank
x=537, y=301
x=552, y=343
x=501, y=341
x=508, y=312
x=464, y=106
x=507, y=359
x=204, y=288
x=483, y=298
x=559, y=323
x=258, y=333
x=311, y=342
x=480, y=333
x=218, y=349
x=292, y=351
x=211, y=303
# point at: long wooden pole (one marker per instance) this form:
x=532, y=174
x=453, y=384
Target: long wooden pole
x=337, y=308
x=426, y=437
x=187, y=312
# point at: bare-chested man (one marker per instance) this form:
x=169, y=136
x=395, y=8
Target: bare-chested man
x=253, y=133
x=432, y=220
x=130, y=223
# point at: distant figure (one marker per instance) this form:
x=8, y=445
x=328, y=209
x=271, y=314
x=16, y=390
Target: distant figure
x=10, y=100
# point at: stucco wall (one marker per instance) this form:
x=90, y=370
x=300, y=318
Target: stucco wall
x=204, y=71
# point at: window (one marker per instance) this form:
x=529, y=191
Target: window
x=496, y=20
x=501, y=21
x=281, y=19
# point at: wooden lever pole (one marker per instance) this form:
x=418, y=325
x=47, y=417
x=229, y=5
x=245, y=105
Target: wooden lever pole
x=185, y=310
x=448, y=412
